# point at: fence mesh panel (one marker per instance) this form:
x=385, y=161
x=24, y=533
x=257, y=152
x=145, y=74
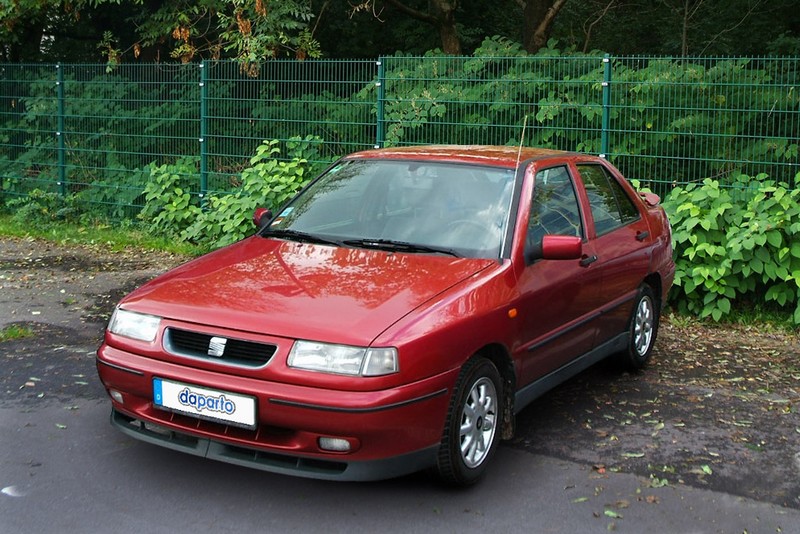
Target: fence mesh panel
x=98, y=132
x=28, y=126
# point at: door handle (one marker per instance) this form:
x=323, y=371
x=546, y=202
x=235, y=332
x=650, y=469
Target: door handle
x=588, y=260
x=641, y=236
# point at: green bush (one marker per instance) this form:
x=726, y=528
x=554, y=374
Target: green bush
x=41, y=208
x=740, y=244
x=118, y=196
x=173, y=210
x=170, y=204
x=268, y=182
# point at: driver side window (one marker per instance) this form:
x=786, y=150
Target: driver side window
x=554, y=207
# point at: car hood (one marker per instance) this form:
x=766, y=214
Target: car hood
x=297, y=290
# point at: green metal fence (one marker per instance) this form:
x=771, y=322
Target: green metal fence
x=661, y=121
x=97, y=132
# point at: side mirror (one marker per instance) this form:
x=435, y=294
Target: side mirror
x=555, y=247
x=261, y=217
x=651, y=199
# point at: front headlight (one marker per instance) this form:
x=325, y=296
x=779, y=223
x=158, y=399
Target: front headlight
x=343, y=359
x=134, y=325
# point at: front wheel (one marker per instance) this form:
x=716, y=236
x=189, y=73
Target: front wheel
x=643, y=329
x=470, y=434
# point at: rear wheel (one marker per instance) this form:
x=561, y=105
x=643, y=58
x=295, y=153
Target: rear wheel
x=470, y=435
x=643, y=329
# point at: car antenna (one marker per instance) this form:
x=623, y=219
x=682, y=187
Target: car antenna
x=521, y=141
x=522, y=137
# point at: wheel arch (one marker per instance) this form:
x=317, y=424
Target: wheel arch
x=501, y=359
x=654, y=281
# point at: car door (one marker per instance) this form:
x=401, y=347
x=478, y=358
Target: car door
x=558, y=298
x=622, y=241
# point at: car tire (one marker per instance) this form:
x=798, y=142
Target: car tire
x=471, y=434
x=642, y=329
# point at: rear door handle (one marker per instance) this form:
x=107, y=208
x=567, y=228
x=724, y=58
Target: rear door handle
x=588, y=260
x=641, y=236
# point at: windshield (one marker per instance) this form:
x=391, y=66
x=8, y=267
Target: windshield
x=451, y=208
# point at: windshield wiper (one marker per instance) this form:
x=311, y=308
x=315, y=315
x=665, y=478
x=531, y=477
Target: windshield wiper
x=296, y=235
x=398, y=246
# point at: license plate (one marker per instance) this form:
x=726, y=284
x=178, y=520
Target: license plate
x=205, y=403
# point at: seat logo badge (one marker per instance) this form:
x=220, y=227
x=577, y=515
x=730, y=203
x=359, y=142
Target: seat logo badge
x=216, y=347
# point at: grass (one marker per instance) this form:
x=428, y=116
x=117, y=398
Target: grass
x=769, y=318
x=14, y=331
x=119, y=238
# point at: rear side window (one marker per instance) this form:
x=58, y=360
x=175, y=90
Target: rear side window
x=611, y=206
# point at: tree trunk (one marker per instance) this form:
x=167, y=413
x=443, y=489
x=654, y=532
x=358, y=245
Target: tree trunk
x=446, y=20
x=441, y=14
x=685, y=30
x=539, y=16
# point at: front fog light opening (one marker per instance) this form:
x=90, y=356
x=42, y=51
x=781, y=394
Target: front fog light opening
x=116, y=395
x=334, y=444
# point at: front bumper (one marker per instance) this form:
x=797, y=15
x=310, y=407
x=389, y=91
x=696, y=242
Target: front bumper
x=287, y=464
x=391, y=432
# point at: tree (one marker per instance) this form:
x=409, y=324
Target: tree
x=692, y=14
x=248, y=30
x=123, y=30
x=539, y=17
x=681, y=27
x=181, y=29
x=28, y=28
x=437, y=13
x=592, y=21
x=255, y=30
x=441, y=15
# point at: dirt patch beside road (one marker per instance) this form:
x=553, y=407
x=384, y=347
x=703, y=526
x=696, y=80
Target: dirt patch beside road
x=716, y=409
x=65, y=295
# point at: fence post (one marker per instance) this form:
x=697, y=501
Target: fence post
x=62, y=146
x=380, y=134
x=606, y=106
x=203, y=132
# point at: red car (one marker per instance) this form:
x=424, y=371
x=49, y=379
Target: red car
x=395, y=315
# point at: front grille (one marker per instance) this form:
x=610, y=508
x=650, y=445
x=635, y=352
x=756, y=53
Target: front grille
x=237, y=351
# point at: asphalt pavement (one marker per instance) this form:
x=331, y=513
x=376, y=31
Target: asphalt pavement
x=64, y=469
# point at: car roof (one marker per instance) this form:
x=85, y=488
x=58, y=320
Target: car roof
x=499, y=156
